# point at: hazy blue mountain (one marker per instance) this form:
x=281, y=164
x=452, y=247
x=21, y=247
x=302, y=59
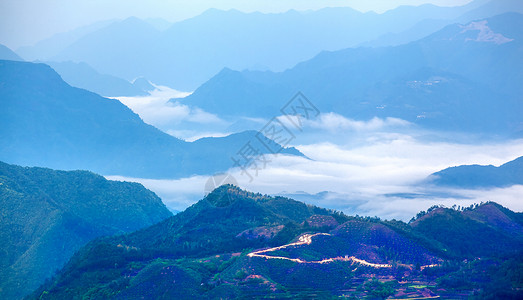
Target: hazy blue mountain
x=126, y=49
x=46, y=122
x=191, y=51
x=418, y=31
x=83, y=76
x=214, y=249
x=477, y=176
x=206, y=148
x=48, y=215
x=485, y=9
x=143, y=84
x=159, y=23
x=476, y=10
x=452, y=79
x=45, y=49
x=8, y=54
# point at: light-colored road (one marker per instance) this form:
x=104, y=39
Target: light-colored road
x=306, y=239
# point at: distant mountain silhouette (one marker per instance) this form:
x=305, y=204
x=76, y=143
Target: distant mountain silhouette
x=47, y=48
x=191, y=51
x=48, y=215
x=46, y=122
x=83, y=76
x=143, y=84
x=478, y=9
x=484, y=9
x=8, y=54
x=477, y=176
x=452, y=79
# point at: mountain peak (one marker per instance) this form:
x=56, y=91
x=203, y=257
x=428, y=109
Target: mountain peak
x=495, y=215
x=8, y=54
x=227, y=194
x=467, y=176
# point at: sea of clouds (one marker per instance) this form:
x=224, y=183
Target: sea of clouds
x=376, y=167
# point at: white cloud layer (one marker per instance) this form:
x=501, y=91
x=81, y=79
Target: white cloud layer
x=173, y=118
x=371, y=167
x=361, y=178
x=335, y=122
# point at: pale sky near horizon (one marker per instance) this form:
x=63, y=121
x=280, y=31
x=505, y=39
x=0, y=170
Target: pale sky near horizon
x=25, y=22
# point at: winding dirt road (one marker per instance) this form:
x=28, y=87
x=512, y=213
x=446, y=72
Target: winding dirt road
x=306, y=239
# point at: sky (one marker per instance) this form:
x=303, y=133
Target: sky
x=24, y=22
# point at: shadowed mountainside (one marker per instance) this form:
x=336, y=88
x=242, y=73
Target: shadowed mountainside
x=47, y=215
x=477, y=176
x=46, y=122
x=303, y=251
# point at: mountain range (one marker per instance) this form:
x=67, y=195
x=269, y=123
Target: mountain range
x=48, y=215
x=191, y=51
x=478, y=176
x=450, y=80
x=83, y=76
x=44, y=49
x=235, y=244
x=46, y=122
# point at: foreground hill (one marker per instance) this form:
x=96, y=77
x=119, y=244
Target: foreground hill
x=46, y=122
x=235, y=244
x=477, y=176
x=451, y=80
x=47, y=215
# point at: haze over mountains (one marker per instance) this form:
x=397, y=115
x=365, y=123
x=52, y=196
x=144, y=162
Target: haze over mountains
x=451, y=80
x=83, y=76
x=46, y=122
x=412, y=114
x=189, y=52
x=434, y=83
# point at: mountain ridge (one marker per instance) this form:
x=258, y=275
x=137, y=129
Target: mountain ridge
x=8, y=54
x=235, y=243
x=268, y=46
x=47, y=215
x=48, y=123
x=83, y=76
x=480, y=176
x=403, y=82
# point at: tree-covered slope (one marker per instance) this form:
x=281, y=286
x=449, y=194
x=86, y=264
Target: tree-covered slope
x=47, y=215
x=211, y=226
x=488, y=230
x=238, y=244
